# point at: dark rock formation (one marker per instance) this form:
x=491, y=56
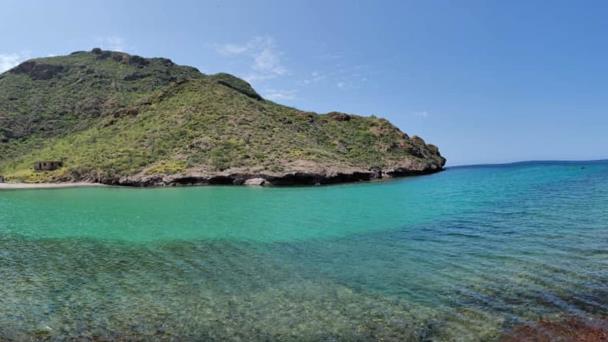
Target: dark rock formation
x=135, y=76
x=236, y=84
x=271, y=179
x=47, y=165
x=339, y=116
x=38, y=71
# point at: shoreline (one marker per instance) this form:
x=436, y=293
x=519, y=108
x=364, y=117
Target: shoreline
x=286, y=180
x=24, y=186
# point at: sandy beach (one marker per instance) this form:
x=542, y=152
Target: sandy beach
x=16, y=186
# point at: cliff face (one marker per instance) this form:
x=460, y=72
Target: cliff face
x=115, y=118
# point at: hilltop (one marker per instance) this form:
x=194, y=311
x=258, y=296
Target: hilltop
x=114, y=118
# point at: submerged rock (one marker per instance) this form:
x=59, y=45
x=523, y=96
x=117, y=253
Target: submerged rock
x=570, y=329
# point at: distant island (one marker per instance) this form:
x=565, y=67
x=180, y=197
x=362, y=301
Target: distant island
x=113, y=118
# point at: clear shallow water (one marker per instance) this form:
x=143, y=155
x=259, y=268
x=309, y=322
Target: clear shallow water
x=461, y=255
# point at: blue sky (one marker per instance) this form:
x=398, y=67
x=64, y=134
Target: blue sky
x=487, y=81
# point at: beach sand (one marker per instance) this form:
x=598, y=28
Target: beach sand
x=15, y=186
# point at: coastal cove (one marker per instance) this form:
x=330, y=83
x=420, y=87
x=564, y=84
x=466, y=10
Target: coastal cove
x=470, y=253
x=303, y=171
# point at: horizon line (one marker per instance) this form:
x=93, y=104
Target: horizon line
x=534, y=161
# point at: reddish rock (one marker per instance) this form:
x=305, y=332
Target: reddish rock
x=567, y=330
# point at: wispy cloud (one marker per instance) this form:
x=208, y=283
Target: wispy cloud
x=114, y=43
x=421, y=114
x=263, y=54
x=341, y=76
x=315, y=77
x=10, y=60
x=232, y=49
x=279, y=95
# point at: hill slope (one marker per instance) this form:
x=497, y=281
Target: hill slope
x=115, y=118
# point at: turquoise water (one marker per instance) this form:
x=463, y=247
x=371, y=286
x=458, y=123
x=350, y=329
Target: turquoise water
x=461, y=255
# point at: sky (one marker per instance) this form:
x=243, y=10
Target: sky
x=486, y=81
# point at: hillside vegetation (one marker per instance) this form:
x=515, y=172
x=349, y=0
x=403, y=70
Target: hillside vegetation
x=115, y=118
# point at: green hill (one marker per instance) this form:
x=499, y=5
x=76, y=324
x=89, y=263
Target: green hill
x=115, y=118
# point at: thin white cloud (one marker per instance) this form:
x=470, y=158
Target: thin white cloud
x=114, y=43
x=315, y=77
x=342, y=76
x=232, y=49
x=263, y=55
x=268, y=60
x=10, y=60
x=352, y=77
x=421, y=114
x=279, y=95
